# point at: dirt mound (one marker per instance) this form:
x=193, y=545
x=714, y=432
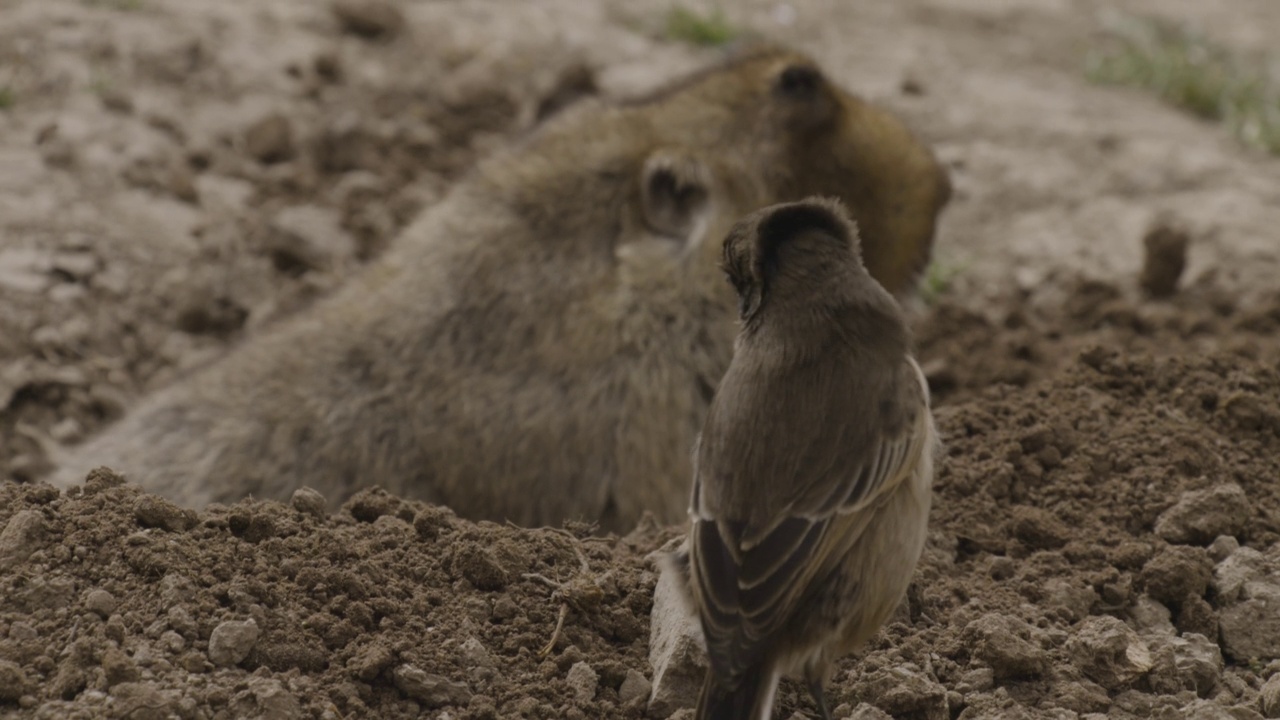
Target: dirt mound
x=1091, y=537
x=115, y=601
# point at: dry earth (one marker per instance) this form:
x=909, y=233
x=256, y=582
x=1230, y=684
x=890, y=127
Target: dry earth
x=177, y=174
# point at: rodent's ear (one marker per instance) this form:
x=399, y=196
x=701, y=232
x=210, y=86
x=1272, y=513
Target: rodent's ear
x=675, y=192
x=805, y=94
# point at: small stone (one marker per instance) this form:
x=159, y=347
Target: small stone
x=13, y=682
x=1080, y=696
x=266, y=698
x=1196, y=616
x=118, y=667
x=676, y=650
x=1038, y=528
x=1191, y=662
x=1149, y=617
x=431, y=521
x=25, y=271
x=475, y=655
x=1251, y=626
x=1073, y=596
x=270, y=139
x=66, y=430
x=232, y=640
x=153, y=511
x=79, y=265
x=976, y=680
x=368, y=18
x=100, y=602
x=1268, y=697
x=1222, y=547
x=1004, y=643
x=431, y=690
x=867, y=711
x=22, y=535
x=1200, y=516
x=309, y=502
x=144, y=701
x=172, y=643
x=1176, y=572
x=1240, y=567
x=583, y=681
x=479, y=566
x=635, y=686
x=1164, y=259
x=309, y=237
x=904, y=691
x=1109, y=652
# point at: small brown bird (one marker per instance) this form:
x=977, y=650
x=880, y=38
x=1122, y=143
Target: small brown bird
x=813, y=472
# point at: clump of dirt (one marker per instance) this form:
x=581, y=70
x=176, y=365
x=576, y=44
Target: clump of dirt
x=115, y=600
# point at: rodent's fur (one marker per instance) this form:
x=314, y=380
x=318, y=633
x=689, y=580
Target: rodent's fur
x=543, y=343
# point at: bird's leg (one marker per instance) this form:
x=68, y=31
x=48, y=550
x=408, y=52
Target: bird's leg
x=819, y=697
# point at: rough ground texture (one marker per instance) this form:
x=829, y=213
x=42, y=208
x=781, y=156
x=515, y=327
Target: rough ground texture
x=174, y=175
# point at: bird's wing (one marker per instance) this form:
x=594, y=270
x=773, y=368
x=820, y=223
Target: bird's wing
x=751, y=580
x=880, y=464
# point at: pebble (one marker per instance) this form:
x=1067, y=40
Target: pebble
x=22, y=535
x=1164, y=259
x=1149, y=617
x=676, y=650
x=867, y=711
x=269, y=139
x=309, y=502
x=368, y=18
x=1004, y=643
x=1074, y=596
x=232, y=640
x=634, y=686
x=431, y=690
x=153, y=511
x=1109, y=652
x=13, y=681
x=79, y=265
x=144, y=701
x=1240, y=567
x=905, y=691
x=475, y=654
x=1222, y=547
x=66, y=430
x=309, y=237
x=1251, y=627
x=1201, y=516
x=1191, y=662
x=266, y=698
x=1269, y=697
x=1177, y=571
x=100, y=602
x=25, y=271
x=583, y=680
x=119, y=668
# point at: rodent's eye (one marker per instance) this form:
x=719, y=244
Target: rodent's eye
x=799, y=81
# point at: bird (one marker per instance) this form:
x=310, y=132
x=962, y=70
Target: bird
x=813, y=469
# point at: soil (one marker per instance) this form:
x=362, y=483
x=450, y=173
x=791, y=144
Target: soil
x=1101, y=339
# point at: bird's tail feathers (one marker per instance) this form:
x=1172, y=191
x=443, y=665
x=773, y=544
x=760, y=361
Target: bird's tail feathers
x=752, y=699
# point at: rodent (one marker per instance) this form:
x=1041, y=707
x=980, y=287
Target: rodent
x=542, y=344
